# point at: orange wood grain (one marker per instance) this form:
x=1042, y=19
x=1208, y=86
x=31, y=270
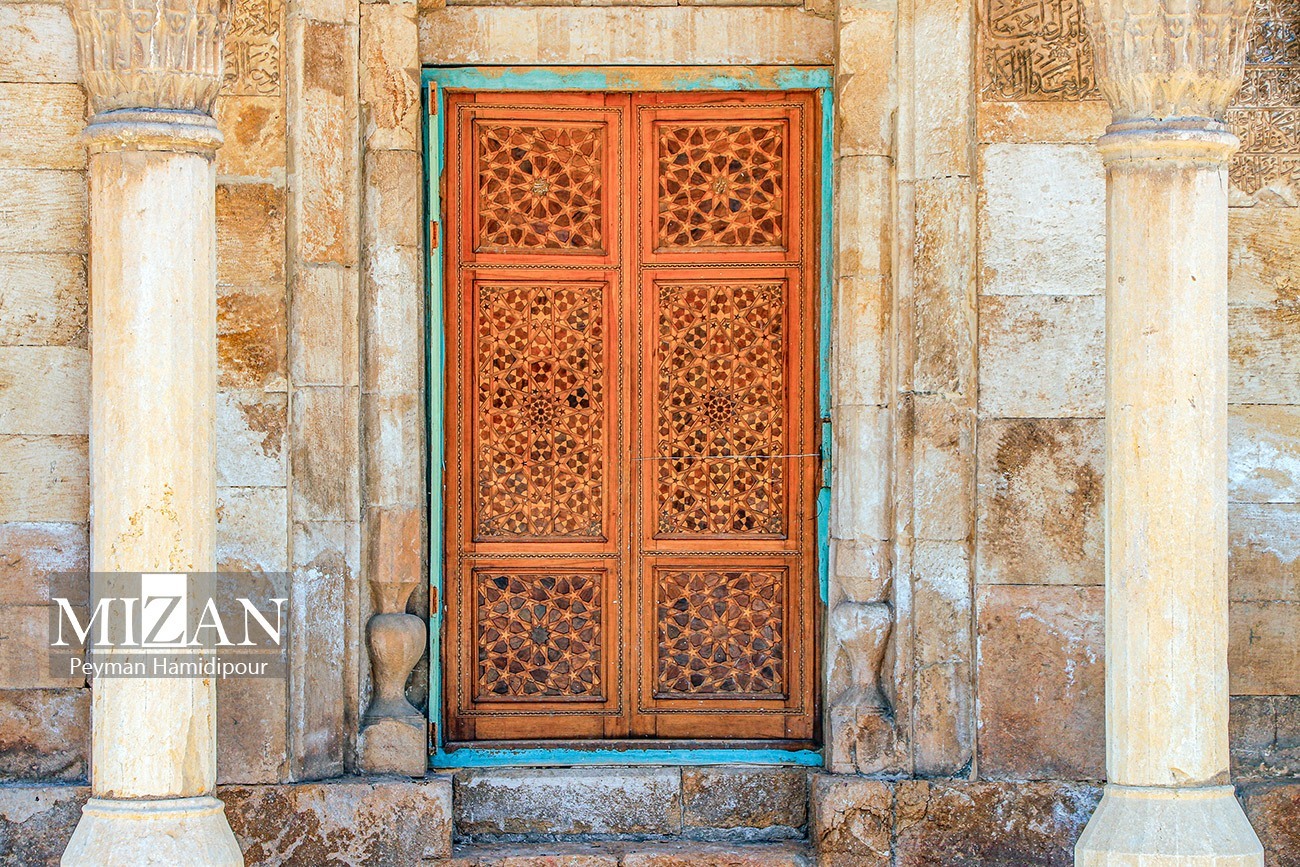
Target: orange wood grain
x=631, y=381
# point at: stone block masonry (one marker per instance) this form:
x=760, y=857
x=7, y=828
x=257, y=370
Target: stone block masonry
x=854, y=822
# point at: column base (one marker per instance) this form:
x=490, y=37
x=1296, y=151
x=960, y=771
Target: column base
x=1139, y=826
x=139, y=833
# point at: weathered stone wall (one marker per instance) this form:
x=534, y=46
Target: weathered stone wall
x=1039, y=536
x=936, y=387
x=253, y=459
x=322, y=257
x=1039, y=562
x=44, y=382
x=860, y=723
x=45, y=373
x=1264, y=424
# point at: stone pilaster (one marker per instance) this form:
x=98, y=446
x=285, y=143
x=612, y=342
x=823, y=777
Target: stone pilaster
x=864, y=732
x=394, y=733
x=1168, y=69
x=152, y=72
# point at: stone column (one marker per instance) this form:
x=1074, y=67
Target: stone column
x=152, y=69
x=1169, y=69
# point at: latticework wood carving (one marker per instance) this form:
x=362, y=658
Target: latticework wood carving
x=538, y=635
x=540, y=363
x=721, y=408
x=539, y=187
x=721, y=186
x=631, y=463
x=721, y=632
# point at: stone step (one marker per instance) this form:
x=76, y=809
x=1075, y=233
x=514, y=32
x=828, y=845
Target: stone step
x=720, y=804
x=629, y=854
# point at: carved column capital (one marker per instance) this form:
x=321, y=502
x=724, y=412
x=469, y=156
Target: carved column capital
x=1162, y=59
x=151, y=54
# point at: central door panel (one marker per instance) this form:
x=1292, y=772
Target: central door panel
x=631, y=417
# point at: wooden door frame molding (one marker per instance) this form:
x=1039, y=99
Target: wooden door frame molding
x=435, y=81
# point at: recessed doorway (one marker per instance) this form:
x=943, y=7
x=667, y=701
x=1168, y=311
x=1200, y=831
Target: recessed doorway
x=632, y=419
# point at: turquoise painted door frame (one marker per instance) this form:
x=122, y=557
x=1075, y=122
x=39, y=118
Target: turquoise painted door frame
x=621, y=79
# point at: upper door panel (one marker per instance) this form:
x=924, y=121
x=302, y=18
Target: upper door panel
x=722, y=184
x=540, y=180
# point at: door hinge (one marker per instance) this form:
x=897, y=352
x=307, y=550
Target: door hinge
x=433, y=602
x=433, y=100
x=433, y=234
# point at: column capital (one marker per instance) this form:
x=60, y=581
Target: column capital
x=1163, y=59
x=151, y=54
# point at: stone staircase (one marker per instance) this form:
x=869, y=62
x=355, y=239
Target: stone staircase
x=726, y=816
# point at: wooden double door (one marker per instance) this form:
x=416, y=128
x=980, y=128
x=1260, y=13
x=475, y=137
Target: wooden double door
x=631, y=416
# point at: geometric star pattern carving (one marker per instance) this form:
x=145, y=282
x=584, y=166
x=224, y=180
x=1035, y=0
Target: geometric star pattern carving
x=720, y=632
x=538, y=635
x=721, y=409
x=541, y=411
x=721, y=186
x=539, y=187
x=630, y=283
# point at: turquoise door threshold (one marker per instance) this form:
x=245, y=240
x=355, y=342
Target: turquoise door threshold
x=491, y=757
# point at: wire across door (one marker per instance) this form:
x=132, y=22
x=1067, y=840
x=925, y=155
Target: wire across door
x=631, y=416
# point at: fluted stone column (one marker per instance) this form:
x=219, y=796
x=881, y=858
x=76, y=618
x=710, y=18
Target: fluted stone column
x=152, y=69
x=1169, y=69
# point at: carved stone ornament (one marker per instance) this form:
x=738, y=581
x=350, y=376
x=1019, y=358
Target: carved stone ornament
x=151, y=54
x=392, y=738
x=1161, y=59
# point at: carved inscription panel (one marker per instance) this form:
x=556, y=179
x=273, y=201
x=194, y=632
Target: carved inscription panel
x=1039, y=50
x=1035, y=50
x=252, y=52
x=1266, y=113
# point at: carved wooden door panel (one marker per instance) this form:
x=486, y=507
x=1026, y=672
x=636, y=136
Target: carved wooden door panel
x=631, y=416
